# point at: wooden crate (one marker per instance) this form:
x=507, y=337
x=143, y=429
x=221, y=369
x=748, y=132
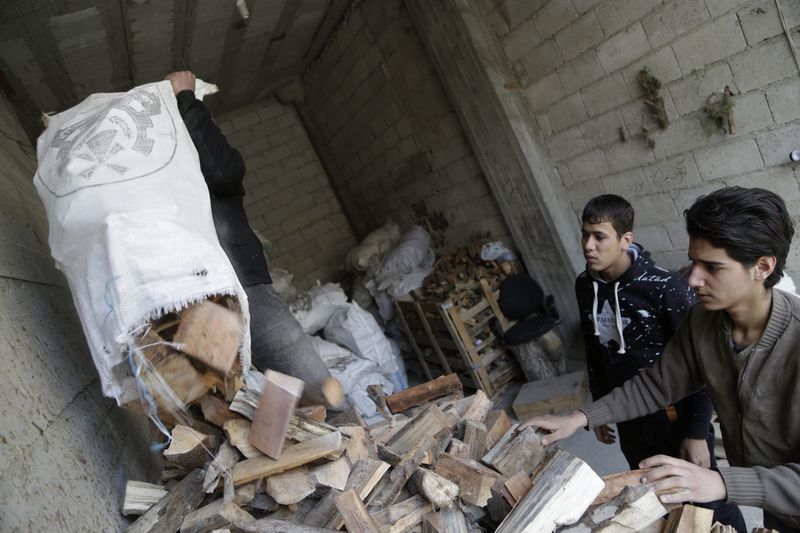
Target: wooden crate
x=447, y=338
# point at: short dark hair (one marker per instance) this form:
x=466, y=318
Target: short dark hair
x=609, y=208
x=746, y=223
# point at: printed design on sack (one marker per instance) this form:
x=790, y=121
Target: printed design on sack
x=114, y=143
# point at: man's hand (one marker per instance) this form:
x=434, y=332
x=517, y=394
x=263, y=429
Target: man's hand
x=685, y=481
x=696, y=451
x=605, y=434
x=560, y=427
x=181, y=81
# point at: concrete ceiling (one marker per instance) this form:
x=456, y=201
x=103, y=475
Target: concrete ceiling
x=54, y=53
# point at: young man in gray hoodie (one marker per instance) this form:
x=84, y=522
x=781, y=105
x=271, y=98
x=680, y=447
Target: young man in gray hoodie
x=743, y=343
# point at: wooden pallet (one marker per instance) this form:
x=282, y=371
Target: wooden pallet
x=447, y=339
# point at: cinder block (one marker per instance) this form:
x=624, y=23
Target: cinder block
x=567, y=112
x=616, y=14
x=554, y=16
x=776, y=145
x=675, y=18
x=245, y=121
x=581, y=35
x=544, y=92
x=675, y=173
x=684, y=198
x=690, y=94
x=677, y=235
x=584, y=5
x=654, y=209
x=566, y=144
x=544, y=125
x=521, y=40
x=579, y=195
x=516, y=11
x=751, y=113
x=764, y=64
x=760, y=20
x=653, y=237
x=629, y=154
x=588, y=166
x=623, y=48
x=662, y=65
x=722, y=160
x=627, y=183
x=602, y=130
x=681, y=136
x=605, y=94
x=781, y=180
x=580, y=72
x=541, y=61
x=720, y=39
x=784, y=100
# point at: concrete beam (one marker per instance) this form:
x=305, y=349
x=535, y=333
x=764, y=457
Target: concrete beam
x=502, y=133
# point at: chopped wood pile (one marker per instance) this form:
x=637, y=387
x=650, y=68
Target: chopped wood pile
x=440, y=462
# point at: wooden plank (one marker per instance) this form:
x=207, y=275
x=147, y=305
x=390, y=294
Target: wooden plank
x=448, y=521
x=291, y=486
x=561, y=494
x=354, y=514
x=141, y=496
x=169, y=512
x=434, y=344
x=497, y=425
x=467, y=349
x=550, y=396
x=211, y=334
x=292, y=457
x=423, y=393
x=474, y=480
x=401, y=313
x=279, y=397
x=403, y=516
x=216, y=515
x=689, y=519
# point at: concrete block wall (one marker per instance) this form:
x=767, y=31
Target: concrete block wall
x=578, y=61
x=289, y=199
x=65, y=451
x=387, y=131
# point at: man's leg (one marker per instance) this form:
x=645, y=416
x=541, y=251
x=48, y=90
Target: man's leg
x=773, y=522
x=279, y=343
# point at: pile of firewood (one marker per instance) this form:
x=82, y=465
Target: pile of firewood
x=438, y=462
x=457, y=274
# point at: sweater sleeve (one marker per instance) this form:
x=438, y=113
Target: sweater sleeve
x=776, y=489
x=674, y=375
x=696, y=409
x=222, y=165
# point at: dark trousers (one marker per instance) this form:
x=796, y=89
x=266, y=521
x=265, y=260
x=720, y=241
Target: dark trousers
x=773, y=522
x=655, y=434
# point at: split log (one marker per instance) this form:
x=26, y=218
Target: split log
x=358, y=445
x=389, y=489
x=221, y=466
x=270, y=525
x=238, y=433
x=190, y=448
x=689, y=519
x=449, y=521
x=169, y=512
x=553, y=395
x=279, y=397
x=364, y=477
x=317, y=413
x=424, y=393
x=291, y=486
x=517, y=486
x=292, y=457
x=211, y=334
x=560, y=495
x=325, y=511
x=244, y=494
x=521, y=453
x=423, y=426
x=216, y=411
x=478, y=407
x=475, y=438
x=382, y=431
x=403, y=516
x=633, y=509
x=497, y=424
x=348, y=417
x=473, y=479
x=459, y=449
x=217, y=514
x=439, y=490
x=333, y=474
x=614, y=483
x=354, y=514
x=723, y=528
x=141, y=496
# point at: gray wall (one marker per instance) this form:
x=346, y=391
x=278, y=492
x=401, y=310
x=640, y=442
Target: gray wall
x=65, y=451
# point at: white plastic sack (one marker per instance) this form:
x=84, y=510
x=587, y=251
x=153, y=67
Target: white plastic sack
x=375, y=243
x=357, y=330
x=130, y=219
x=360, y=399
x=330, y=353
x=315, y=306
x=282, y=283
x=497, y=251
x=407, y=255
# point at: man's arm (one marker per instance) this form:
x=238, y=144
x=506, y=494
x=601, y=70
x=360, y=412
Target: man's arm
x=222, y=165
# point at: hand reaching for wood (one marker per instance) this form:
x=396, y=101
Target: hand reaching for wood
x=696, y=451
x=605, y=434
x=560, y=426
x=683, y=480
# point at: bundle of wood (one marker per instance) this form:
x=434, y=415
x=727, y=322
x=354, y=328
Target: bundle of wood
x=456, y=276
x=439, y=462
